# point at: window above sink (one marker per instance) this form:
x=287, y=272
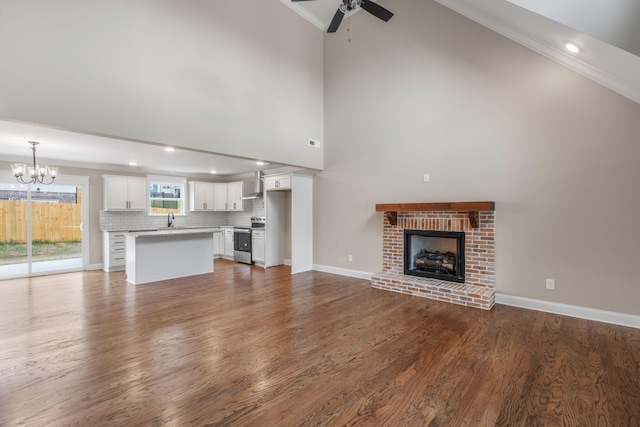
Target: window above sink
x=166, y=195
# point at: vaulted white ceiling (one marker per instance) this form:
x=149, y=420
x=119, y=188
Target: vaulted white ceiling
x=607, y=32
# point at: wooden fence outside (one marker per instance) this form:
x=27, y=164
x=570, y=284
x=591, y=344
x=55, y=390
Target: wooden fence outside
x=54, y=222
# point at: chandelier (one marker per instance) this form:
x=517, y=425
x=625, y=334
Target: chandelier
x=36, y=173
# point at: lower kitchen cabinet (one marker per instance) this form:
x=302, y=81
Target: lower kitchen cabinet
x=257, y=247
x=218, y=244
x=114, y=250
x=228, y=243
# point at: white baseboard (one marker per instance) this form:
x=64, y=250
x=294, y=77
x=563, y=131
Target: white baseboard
x=95, y=266
x=287, y=262
x=604, y=316
x=343, y=271
x=612, y=317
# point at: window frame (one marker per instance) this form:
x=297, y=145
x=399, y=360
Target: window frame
x=167, y=180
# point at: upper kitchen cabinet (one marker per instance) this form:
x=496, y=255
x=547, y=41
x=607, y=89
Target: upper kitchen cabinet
x=124, y=193
x=228, y=197
x=202, y=196
x=277, y=182
x=220, y=197
x=235, y=191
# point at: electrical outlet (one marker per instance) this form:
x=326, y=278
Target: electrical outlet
x=314, y=143
x=350, y=258
x=551, y=284
x=426, y=177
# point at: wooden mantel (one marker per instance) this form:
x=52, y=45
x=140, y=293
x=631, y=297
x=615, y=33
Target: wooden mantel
x=391, y=209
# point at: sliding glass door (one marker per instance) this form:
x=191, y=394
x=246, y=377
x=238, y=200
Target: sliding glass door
x=42, y=228
x=14, y=225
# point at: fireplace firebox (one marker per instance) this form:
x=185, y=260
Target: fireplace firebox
x=434, y=254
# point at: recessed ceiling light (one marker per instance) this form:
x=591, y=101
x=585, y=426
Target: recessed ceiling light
x=133, y=163
x=169, y=149
x=260, y=163
x=213, y=172
x=572, y=47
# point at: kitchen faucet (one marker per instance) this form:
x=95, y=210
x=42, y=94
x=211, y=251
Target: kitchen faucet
x=170, y=218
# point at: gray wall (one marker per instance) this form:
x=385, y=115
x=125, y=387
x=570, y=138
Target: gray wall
x=433, y=92
x=232, y=77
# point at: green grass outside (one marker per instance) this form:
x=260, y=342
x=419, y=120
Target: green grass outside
x=15, y=252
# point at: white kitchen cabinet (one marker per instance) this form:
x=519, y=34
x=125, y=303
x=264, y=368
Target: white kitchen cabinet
x=235, y=191
x=220, y=197
x=228, y=243
x=124, y=193
x=228, y=197
x=218, y=244
x=201, y=196
x=114, y=247
x=277, y=182
x=257, y=247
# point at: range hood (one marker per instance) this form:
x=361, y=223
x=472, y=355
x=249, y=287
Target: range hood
x=257, y=188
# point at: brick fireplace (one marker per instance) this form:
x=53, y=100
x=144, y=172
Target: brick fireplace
x=478, y=289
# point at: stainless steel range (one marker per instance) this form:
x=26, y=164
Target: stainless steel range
x=242, y=244
x=242, y=237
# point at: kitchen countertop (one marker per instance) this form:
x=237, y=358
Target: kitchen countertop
x=174, y=231
x=152, y=229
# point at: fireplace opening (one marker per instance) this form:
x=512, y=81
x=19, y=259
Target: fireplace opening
x=434, y=254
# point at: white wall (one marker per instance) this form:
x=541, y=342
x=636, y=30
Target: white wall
x=432, y=92
x=234, y=77
x=612, y=21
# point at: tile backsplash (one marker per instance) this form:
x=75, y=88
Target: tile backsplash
x=117, y=220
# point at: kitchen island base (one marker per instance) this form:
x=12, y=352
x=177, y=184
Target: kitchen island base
x=152, y=257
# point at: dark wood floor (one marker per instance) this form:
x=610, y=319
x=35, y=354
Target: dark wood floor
x=245, y=346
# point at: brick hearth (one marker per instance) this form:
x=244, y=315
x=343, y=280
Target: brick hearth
x=479, y=287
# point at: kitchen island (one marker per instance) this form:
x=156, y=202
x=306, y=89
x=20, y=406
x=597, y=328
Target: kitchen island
x=169, y=254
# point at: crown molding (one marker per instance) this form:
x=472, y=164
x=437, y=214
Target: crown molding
x=597, y=75
x=305, y=14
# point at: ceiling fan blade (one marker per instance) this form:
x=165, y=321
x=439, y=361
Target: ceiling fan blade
x=376, y=10
x=335, y=22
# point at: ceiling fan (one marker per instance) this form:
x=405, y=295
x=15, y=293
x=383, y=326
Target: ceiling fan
x=349, y=5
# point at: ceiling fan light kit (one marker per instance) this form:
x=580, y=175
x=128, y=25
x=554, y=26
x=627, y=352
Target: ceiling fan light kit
x=351, y=5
